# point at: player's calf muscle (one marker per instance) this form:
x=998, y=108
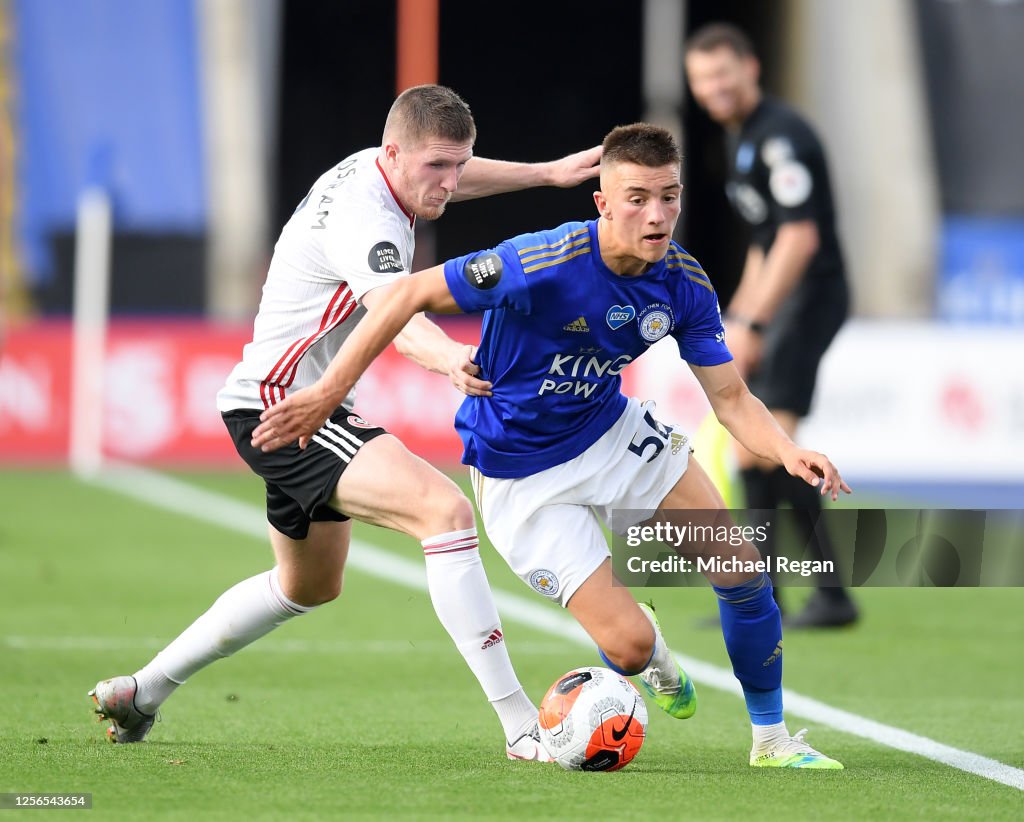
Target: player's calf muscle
x=726, y=572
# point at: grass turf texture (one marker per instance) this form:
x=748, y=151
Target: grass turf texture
x=365, y=709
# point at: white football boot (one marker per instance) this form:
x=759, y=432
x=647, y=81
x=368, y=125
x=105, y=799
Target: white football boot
x=793, y=752
x=528, y=747
x=664, y=678
x=115, y=700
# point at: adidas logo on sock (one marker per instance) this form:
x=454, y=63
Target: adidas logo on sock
x=578, y=325
x=776, y=654
x=493, y=639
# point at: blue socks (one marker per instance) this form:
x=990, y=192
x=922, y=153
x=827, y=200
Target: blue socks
x=752, y=627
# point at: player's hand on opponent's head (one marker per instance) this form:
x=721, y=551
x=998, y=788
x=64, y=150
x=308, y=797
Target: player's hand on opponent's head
x=575, y=168
x=297, y=417
x=815, y=468
x=462, y=371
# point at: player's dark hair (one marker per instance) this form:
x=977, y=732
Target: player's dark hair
x=716, y=35
x=642, y=144
x=428, y=111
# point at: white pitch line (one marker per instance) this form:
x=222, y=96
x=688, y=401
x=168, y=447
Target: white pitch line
x=166, y=492
x=94, y=644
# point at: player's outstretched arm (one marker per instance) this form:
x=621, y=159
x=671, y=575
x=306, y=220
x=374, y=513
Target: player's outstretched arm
x=301, y=414
x=746, y=418
x=484, y=177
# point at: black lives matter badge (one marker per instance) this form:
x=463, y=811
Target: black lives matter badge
x=385, y=259
x=483, y=271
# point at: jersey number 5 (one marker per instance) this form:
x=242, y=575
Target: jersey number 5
x=658, y=441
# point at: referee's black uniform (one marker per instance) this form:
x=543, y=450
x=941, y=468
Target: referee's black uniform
x=777, y=175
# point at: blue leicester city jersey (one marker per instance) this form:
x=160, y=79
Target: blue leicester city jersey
x=559, y=326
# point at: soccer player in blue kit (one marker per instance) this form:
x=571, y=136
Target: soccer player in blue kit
x=555, y=448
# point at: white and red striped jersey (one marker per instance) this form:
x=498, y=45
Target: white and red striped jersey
x=349, y=235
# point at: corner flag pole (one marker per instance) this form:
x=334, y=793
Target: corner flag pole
x=89, y=330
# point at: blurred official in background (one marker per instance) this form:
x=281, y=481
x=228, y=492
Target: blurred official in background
x=792, y=297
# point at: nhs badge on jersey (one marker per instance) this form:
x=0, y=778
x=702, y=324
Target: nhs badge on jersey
x=655, y=322
x=620, y=315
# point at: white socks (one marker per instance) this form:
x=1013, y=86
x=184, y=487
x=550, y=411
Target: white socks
x=242, y=614
x=765, y=736
x=459, y=592
x=463, y=602
x=661, y=657
x=517, y=714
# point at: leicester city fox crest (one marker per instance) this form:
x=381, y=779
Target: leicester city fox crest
x=655, y=322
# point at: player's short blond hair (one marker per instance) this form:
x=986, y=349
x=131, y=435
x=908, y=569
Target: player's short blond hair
x=423, y=112
x=642, y=144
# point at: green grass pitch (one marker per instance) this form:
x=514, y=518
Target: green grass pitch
x=364, y=709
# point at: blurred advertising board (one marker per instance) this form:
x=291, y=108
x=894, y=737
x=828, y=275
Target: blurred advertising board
x=894, y=400
x=981, y=276
x=161, y=379
x=923, y=401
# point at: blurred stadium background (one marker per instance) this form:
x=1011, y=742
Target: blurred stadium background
x=203, y=123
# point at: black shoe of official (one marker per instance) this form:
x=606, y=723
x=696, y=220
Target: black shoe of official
x=824, y=611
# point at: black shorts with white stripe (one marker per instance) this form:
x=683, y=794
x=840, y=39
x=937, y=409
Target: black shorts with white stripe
x=300, y=483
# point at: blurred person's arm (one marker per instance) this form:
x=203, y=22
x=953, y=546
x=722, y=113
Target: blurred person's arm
x=768, y=279
x=484, y=177
x=743, y=341
x=784, y=265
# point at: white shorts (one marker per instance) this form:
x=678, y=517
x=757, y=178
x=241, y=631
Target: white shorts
x=547, y=526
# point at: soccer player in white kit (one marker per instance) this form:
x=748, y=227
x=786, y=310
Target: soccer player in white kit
x=351, y=234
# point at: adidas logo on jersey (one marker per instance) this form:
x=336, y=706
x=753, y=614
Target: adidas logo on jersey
x=579, y=325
